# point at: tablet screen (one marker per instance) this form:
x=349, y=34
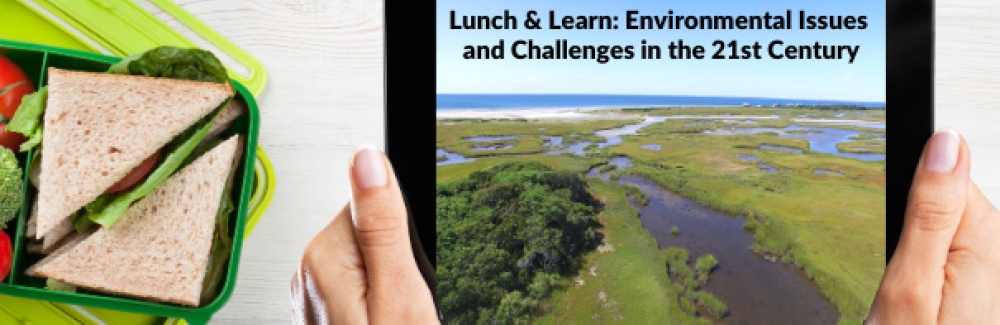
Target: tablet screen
x=641, y=162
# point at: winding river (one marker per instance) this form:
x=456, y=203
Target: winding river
x=756, y=290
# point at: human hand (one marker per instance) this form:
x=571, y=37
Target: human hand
x=946, y=268
x=360, y=269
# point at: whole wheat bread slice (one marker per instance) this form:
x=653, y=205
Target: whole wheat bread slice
x=52, y=239
x=65, y=245
x=99, y=126
x=160, y=248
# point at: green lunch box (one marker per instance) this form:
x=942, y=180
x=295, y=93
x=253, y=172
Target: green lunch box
x=72, y=31
x=34, y=60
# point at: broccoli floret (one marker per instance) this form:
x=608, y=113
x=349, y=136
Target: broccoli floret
x=11, y=195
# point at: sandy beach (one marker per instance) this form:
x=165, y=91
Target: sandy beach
x=572, y=113
x=554, y=113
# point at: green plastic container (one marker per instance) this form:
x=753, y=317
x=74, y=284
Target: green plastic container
x=34, y=59
x=83, y=25
x=79, y=25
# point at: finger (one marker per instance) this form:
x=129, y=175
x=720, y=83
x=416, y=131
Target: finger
x=937, y=199
x=397, y=291
x=979, y=223
x=911, y=287
x=972, y=286
x=329, y=286
x=380, y=217
x=936, y=203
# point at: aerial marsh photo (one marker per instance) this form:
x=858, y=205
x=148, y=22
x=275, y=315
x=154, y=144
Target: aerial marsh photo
x=660, y=191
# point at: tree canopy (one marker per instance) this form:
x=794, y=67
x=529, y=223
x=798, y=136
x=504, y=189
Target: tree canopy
x=506, y=236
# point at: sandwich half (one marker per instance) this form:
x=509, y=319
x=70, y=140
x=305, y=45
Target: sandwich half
x=51, y=241
x=161, y=247
x=100, y=126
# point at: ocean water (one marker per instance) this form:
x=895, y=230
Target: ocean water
x=522, y=101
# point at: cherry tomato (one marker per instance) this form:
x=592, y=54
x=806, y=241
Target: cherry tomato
x=10, y=140
x=6, y=255
x=136, y=175
x=10, y=74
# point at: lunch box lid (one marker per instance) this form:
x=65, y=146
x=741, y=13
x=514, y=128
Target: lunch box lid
x=86, y=25
x=122, y=28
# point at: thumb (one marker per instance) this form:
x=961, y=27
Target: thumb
x=915, y=276
x=396, y=287
x=936, y=203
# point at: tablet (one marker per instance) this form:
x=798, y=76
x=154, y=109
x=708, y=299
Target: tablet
x=638, y=162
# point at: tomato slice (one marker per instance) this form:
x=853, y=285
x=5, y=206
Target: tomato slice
x=136, y=175
x=11, y=74
x=10, y=140
x=6, y=255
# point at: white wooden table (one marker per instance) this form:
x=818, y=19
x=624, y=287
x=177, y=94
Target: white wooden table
x=324, y=97
x=967, y=83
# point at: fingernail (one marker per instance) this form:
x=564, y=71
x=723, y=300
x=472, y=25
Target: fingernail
x=942, y=152
x=368, y=167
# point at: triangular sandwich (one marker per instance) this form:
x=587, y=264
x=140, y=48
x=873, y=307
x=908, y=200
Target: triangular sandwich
x=160, y=248
x=100, y=126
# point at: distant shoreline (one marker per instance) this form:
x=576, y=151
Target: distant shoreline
x=525, y=113
x=589, y=113
x=449, y=102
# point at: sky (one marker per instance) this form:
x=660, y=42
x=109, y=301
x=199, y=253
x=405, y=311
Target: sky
x=864, y=80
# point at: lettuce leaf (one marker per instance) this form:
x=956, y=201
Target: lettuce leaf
x=59, y=286
x=28, y=120
x=175, y=63
x=108, y=208
x=81, y=222
x=81, y=219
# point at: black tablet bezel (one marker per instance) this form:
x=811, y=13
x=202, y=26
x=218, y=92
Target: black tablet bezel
x=409, y=120
x=910, y=90
x=410, y=82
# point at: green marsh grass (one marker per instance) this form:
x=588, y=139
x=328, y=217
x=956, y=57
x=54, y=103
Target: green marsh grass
x=451, y=133
x=636, y=194
x=803, y=131
x=862, y=146
x=566, y=162
x=869, y=136
x=634, y=275
x=861, y=128
x=834, y=229
x=691, y=281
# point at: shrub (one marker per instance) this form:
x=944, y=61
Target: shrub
x=706, y=263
